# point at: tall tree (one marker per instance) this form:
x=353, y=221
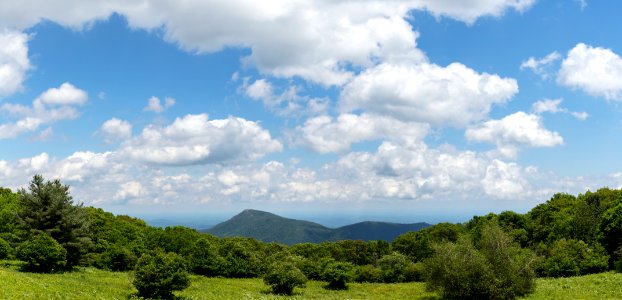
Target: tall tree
x=48, y=208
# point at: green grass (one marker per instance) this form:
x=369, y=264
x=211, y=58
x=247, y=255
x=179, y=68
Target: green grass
x=596, y=286
x=89, y=283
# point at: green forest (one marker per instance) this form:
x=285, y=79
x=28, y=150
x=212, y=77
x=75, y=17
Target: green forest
x=495, y=256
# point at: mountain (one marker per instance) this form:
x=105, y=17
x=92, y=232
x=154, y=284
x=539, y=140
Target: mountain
x=268, y=227
x=368, y=231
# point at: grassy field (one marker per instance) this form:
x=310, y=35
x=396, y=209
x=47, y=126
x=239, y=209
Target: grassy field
x=91, y=283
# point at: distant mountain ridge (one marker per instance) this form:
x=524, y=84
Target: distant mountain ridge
x=268, y=227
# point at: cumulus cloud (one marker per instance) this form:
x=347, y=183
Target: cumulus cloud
x=116, y=130
x=53, y=105
x=518, y=129
x=157, y=107
x=14, y=62
x=504, y=180
x=554, y=106
x=442, y=96
x=541, y=66
x=66, y=94
x=130, y=189
x=595, y=70
x=324, y=134
x=469, y=11
x=194, y=139
x=313, y=40
x=286, y=103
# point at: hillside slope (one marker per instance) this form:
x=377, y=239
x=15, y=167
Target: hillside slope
x=268, y=227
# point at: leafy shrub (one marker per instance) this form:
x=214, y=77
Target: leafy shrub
x=5, y=249
x=119, y=258
x=498, y=270
x=157, y=275
x=283, y=277
x=367, y=273
x=204, y=259
x=241, y=261
x=395, y=268
x=42, y=254
x=573, y=258
x=337, y=274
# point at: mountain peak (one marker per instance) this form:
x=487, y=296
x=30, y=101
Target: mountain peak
x=268, y=227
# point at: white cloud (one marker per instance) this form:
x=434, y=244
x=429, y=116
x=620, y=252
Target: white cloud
x=155, y=106
x=51, y=106
x=260, y=89
x=288, y=103
x=582, y=116
x=132, y=189
x=553, y=106
x=547, y=105
x=81, y=165
x=518, y=129
x=195, y=140
x=597, y=71
x=66, y=94
x=541, y=66
x=468, y=11
x=323, y=134
x=313, y=40
x=14, y=62
x=442, y=96
x=45, y=134
x=116, y=130
x=504, y=180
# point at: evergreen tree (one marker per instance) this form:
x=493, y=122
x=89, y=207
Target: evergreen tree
x=48, y=208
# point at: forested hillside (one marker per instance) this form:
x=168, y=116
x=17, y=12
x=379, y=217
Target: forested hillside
x=268, y=227
x=568, y=235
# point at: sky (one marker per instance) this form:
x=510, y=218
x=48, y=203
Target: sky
x=399, y=110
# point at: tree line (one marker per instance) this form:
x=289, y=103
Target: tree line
x=496, y=256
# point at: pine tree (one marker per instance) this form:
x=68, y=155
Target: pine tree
x=48, y=208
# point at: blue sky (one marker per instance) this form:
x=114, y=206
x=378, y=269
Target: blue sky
x=397, y=110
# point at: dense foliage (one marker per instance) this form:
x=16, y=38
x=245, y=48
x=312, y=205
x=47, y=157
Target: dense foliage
x=158, y=274
x=48, y=208
x=565, y=236
x=43, y=254
x=492, y=269
x=283, y=277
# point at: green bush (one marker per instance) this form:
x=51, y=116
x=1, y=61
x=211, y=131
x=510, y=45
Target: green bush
x=573, y=258
x=497, y=270
x=42, y=254
x=157, y=275
x=119, y=258
x=367, y=273
x=5, y=249
x=395, y=267
x=283, y=277
x=337, y=274
x=204, y=259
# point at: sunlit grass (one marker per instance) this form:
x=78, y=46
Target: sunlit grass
x=89, y=283
x=596, y=286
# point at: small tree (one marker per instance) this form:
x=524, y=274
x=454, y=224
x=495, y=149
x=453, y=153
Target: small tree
x=42, y=254
x=283, y=277
x=497, y=270
x=205, y=260
x=337, y=274
x=158, y=275
x=395, y=268
x=48, y=208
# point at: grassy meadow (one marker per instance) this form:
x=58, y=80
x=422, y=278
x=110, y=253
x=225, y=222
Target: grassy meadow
x=89, y=283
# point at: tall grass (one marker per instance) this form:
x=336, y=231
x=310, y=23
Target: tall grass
x=89, y=283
